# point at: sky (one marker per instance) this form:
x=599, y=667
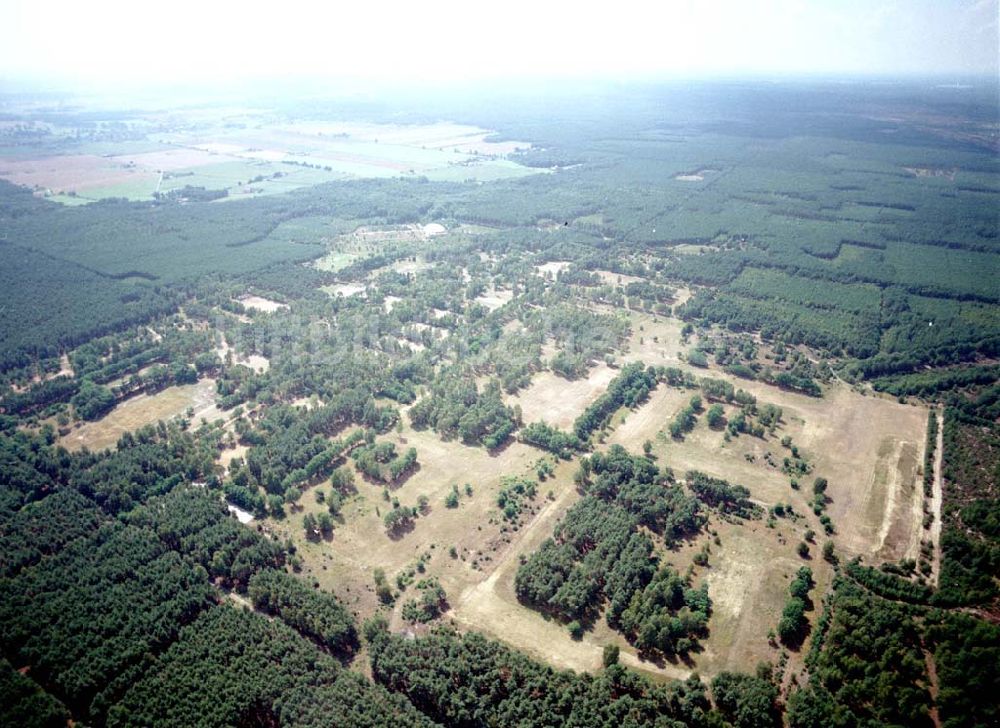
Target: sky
x=129, y=43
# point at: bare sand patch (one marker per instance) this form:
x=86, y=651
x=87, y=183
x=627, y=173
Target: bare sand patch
x=611, y=278
x=748, y=577
x=241, y=515
x=559, y=401
x=256, y=362
x=344, y=289
x=262, y=304
x=552, y=269
x=933, y=172
x=495, y=299
x=411, y=267
x=697, y=175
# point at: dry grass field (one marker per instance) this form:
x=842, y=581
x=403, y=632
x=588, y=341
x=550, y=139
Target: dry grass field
x=145, y=409
x=72, y=173
x=866, y=447
x=495, y=299
x=560, y=401
x=359, y=545
x=748, y=576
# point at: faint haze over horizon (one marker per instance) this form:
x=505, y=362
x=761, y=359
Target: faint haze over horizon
x=117, y=44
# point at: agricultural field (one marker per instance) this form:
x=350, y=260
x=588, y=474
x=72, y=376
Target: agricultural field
x=262, y=158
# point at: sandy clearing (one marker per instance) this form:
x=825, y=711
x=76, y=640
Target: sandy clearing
x=748, y=577
x=494, y=299
x=440, y=135
x=937, y=498
x=409, y=267
x=265, y=155
x=228, y=455
x=552, y=269
x=615, y=279
x=360, y=544
x=144, y=409
x=867, y=449
x=558, y=401
x=840, y=433
x=219, y=148
x=894, y=495
x=262, y=304
x=682, y=295
x=491, y=605
x=344, y=289
x=256, y=362
x=697, y=175
x=411, y=345
x=649, y=418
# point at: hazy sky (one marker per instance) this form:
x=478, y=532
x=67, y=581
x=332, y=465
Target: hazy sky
x=131, y=42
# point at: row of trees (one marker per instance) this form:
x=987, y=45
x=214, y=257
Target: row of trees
x=314, y=614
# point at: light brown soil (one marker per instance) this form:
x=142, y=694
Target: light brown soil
x=551, y=269
x=360, y=544
x=344, y=289
x=937, y=498
x=558, y=401
x=841, y=434
x=495, y=299
x=617, y=279
x=75, y=172
x=262, y=304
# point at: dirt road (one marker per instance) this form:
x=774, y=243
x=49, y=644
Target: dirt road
x=937, y=497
